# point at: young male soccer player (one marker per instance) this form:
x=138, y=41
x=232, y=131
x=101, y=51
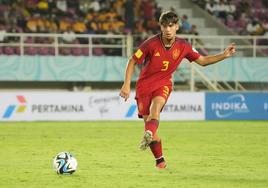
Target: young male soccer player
x=161, y=55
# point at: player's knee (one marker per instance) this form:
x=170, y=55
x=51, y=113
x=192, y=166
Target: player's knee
x=154, y=115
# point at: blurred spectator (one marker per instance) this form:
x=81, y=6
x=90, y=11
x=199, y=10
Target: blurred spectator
x=193, y=31
x=129, y=14
x=56, y=15
x=95, y=5
x=158, y=11
x=62, y=5
x=241, y=24
x=84, y=6
x=69, y=35
x=95, y=25
x=52, y=25
x=231, y=23
x=265, y=25
x=73, y=6
x=68, y=38
x=43, y=6
x=118, y=25
x=79, y=26
x=118, y=6
x=152, y=25
x=147, y=9
x=2, y=33
x=31, y=5
x=201, y=3
x=65, y=22
x=52, y=6
x=242, y=16
x=32, y=24
x=265, y=3
x=210, y=7
x=14, y=29
x=137, y=9
x=244, y=7
x=254, y=28
x=231, y=9
x=139, y=17
x=185, y=25
x=222, y=11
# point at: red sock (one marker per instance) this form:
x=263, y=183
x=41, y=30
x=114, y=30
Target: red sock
x=151, y=125
x=156, y=148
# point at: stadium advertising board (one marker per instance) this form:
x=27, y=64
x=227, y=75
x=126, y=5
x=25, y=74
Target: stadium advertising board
x=82, y=106
x=184, y=106
x=180, y=106
x=62, y=106
x=236, y=106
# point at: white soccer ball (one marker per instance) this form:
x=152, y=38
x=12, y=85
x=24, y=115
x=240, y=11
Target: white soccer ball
x=65, y=163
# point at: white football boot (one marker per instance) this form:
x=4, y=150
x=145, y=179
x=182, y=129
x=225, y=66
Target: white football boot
x=146, y=140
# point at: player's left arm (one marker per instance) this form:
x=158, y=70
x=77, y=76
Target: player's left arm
x=211, y=59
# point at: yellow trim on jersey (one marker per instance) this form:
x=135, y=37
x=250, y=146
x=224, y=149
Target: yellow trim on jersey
x=166, y=91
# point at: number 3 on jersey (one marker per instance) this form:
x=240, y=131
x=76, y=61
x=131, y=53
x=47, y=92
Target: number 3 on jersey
x=165, y=65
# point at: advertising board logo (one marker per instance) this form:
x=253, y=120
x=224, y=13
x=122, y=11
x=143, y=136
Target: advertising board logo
x=182, y=108
x=131, y=111
x=234, y=104
x=265, y=106
x=103, y=104
x=20, y=107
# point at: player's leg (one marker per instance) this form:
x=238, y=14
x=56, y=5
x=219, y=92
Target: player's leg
x=156, y=148
x=152, y=121
x=144, y=104
x=159, y=100
x=147, y=137
x=150, y=108
x=158, y=103
x=151, y=138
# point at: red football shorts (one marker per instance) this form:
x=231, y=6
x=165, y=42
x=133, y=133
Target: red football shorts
x=144, y=102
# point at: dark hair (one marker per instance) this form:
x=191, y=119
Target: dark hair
x=168, y=17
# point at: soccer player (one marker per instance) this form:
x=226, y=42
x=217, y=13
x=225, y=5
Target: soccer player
x=160, y=56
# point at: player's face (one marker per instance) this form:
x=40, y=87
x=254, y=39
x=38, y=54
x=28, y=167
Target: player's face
x=169, y=30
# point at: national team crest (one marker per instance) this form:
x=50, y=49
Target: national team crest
x=176, y=53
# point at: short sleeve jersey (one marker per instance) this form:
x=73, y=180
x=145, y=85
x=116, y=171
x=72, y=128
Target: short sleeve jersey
x=159, y=63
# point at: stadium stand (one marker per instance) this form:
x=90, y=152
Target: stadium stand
x=70, y=17
x=242, y=17
x=238, y=14
x=81, y=28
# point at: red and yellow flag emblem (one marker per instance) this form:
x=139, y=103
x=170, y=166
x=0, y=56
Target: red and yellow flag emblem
x=176, y=54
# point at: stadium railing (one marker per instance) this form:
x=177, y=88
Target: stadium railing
x=21, y=44
x=123, y=45
x=24, y=42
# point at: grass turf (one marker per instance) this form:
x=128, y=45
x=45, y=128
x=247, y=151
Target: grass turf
x=211, y=154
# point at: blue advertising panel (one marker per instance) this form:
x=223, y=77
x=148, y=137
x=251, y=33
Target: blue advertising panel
x=236, y=106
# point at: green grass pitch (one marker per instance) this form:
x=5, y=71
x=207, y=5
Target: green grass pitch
x=214, y=154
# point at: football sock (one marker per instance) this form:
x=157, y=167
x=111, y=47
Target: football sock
x=156, y=148
x=151, y=125
x=160, y=160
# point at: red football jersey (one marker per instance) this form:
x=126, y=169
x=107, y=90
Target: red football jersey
x=160, y=63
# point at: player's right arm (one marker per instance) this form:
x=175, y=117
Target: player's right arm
x=125, y=90
x=137, y=58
